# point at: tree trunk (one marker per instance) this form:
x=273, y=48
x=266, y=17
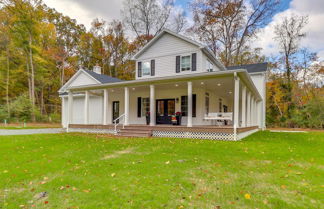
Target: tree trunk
x=28, y=77
x=32, y=78
x=7, y=82
x=289, y=89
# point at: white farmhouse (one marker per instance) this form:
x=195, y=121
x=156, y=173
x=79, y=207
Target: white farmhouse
x=180, y=90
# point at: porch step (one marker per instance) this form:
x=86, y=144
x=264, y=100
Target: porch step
x=129, y=132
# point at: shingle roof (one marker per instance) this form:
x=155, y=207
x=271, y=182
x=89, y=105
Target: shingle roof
x=103, y=78
x=251, y=68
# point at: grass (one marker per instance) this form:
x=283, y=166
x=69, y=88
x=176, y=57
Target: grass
x=266, y=170
x=19, y=126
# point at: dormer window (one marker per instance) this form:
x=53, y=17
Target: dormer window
x=209, y=66
x=146, y=68
x=185, y=63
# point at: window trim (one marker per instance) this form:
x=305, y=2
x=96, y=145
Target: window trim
x=190, y=62
x=194, y=105
x=143, y=113
x=148, y=61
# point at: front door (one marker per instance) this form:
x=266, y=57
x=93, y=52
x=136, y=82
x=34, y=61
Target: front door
x=165, y=108
x=115, y=110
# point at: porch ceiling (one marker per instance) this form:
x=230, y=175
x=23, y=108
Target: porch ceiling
x=210, y=80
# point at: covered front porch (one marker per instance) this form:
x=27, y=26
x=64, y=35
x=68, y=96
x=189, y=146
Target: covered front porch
x=201, y=102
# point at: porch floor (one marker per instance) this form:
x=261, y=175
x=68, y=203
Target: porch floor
x=196, y=128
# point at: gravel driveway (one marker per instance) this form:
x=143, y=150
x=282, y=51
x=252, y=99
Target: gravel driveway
x=6, y=132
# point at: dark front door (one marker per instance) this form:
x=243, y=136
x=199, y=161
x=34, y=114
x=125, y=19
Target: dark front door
x=115, y=110
x=165, y=108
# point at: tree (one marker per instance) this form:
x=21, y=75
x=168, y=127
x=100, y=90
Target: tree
x=228, y=26
x=288, y=35
x=146, y=17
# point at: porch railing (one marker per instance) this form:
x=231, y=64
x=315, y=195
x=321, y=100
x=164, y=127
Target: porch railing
x=117, y=122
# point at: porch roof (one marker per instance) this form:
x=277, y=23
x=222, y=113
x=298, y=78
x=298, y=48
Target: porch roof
x=241, y=73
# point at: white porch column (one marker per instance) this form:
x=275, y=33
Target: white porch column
x=252, y=111
x=126, y=121
x=63, y=115
x=70, y=109
x=189, y=122
x=236, y=101
x=105, y=107
x=255, y=112
x=248, y=109
x=243, y=106
x=152, y=105
x=86, y=107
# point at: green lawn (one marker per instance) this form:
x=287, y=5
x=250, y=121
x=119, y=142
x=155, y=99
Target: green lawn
x=266, y=170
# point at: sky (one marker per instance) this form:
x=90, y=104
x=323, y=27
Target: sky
x=84, y=11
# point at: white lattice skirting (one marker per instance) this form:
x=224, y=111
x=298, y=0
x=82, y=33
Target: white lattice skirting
x=194, y=135
x=91, y=130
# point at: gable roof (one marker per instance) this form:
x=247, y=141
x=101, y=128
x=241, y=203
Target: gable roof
x=251, y=68
x=204, y=48
x=102, y=78
x=99, y=78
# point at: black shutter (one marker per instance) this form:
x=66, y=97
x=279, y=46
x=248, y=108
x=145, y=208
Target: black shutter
x=194, y=62
x=194, y=102
x=139, y=107
x=178, y=64
x=152, y=67
x=139, y=69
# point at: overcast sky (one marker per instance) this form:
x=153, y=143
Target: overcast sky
x=84, y=11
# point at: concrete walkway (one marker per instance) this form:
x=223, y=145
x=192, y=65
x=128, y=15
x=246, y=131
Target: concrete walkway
x=8, y=132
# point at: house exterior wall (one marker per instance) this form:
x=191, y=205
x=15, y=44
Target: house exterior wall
x=259, y=80
x=164, y=52
x=96, y=105
x=95, y=110
x=177, y=93
x=83, y=79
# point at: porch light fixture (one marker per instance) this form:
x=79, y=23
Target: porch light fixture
x=177, y=100
x=202, y=83
x=176, y=85
x=230, y=92
x=133, y=89
x=219, y=84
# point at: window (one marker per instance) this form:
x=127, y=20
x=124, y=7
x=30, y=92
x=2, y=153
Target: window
x=145, y=106
x=146, y=68
x=207, y=103
x=184, y=105
x=220, y=105
x=185, y=63
x=209, y=66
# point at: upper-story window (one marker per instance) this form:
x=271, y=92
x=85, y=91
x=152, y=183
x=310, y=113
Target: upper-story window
x=185, y=63
x=209, y=66
x=146, y=69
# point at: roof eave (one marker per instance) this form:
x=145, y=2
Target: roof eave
x=196, y=76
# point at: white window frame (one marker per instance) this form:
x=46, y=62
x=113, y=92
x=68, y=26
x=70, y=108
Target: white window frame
x=187, y=55
x=209, y=66
x=149, y=72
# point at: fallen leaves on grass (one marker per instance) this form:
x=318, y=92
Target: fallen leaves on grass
x=167, y=162
x=247, y=196
x=113, y=175
x=86, y=190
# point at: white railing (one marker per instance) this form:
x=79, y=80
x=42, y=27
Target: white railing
x=117, y=122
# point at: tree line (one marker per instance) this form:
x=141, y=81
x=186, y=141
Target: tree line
x=40, y=49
